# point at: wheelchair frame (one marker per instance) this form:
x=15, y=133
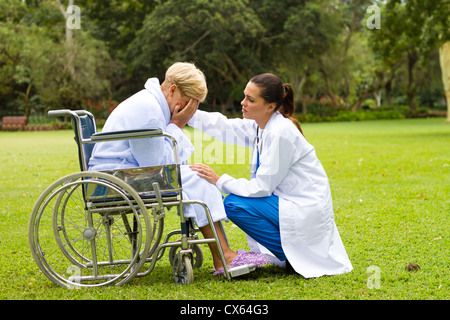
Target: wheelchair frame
x=83, y=221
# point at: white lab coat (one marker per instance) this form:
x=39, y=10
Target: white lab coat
x=290, y=170
x=149, y=109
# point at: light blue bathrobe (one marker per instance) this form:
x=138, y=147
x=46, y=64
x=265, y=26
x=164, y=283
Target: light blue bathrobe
x=147, y=109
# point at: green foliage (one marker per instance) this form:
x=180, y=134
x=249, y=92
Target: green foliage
x=322, y=48
x=220, y=36
x=411, y=32
x=40, y=69
x=100, y=109
x=329, y=115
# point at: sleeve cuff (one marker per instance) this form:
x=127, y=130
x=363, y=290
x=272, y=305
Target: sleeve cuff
x=222, y=180
x=191, y=121
x=185, y=147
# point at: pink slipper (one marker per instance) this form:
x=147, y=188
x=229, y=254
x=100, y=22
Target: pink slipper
x=243, y=257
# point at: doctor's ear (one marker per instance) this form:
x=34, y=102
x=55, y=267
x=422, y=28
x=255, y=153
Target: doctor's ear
x=272, y=106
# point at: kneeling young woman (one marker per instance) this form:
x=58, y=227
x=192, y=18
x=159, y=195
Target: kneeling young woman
x=286, y=207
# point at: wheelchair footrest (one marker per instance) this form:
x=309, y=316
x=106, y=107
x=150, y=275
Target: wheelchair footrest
x=241, y=270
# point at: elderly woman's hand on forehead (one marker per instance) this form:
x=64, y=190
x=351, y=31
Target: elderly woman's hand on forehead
x=181, y=116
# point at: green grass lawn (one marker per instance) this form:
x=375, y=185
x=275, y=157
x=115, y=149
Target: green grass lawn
x=390, y=184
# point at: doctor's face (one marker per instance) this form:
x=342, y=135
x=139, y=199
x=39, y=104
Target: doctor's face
x=254, y=106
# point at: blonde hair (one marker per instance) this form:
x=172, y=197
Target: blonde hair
x=189, y=79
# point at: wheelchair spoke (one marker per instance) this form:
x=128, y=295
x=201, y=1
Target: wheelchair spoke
x=72, y=240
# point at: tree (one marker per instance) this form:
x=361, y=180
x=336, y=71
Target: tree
x=435, y=19
x=25, y=54
x=43, y=66
x=222, y=36
x=318, y=47
x=309, y=33
x=411, y=30
x=115, y=23
x=298, y=35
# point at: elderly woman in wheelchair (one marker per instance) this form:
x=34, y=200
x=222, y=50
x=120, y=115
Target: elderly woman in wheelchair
x=97, y=226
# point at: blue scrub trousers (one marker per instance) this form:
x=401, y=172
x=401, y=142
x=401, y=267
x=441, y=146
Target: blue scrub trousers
x=259, y=218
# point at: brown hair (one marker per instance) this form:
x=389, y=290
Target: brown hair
x=274, y=90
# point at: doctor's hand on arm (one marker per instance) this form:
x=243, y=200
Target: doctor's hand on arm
x=181, y=116
x=205, y=172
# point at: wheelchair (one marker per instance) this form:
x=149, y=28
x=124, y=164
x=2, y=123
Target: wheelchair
x=98, y=228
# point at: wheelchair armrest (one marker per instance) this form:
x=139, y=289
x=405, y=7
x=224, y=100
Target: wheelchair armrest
x=126, y=134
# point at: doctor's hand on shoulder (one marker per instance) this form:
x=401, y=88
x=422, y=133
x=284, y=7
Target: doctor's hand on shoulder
x=181, y=115
x=205, y=172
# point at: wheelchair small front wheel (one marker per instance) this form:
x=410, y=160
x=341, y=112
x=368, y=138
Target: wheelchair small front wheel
x=197, y=255
x=183, y=272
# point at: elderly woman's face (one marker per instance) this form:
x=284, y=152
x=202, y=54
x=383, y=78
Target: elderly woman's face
x=176, y=97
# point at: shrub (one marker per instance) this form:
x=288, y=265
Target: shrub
x=395, y=112
x=100, y=109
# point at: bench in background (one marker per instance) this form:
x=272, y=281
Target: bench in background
x=14, y=123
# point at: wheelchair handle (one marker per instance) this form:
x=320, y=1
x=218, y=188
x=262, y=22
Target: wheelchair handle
x=66, y=112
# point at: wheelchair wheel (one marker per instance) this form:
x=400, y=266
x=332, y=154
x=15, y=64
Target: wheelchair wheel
x=182, y=270
x=89, y=229
x=197, y=255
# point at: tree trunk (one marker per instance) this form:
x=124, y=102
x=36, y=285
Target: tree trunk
x=368, y=93
x=444, y=58
x=411, y=90
x=387, y=91
x=69, y=44
x=26, y=101
x=304, y=103
x=298, y=89
x=69, y=32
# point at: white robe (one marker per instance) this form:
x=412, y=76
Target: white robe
x=149, y=109
x=290, y=170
